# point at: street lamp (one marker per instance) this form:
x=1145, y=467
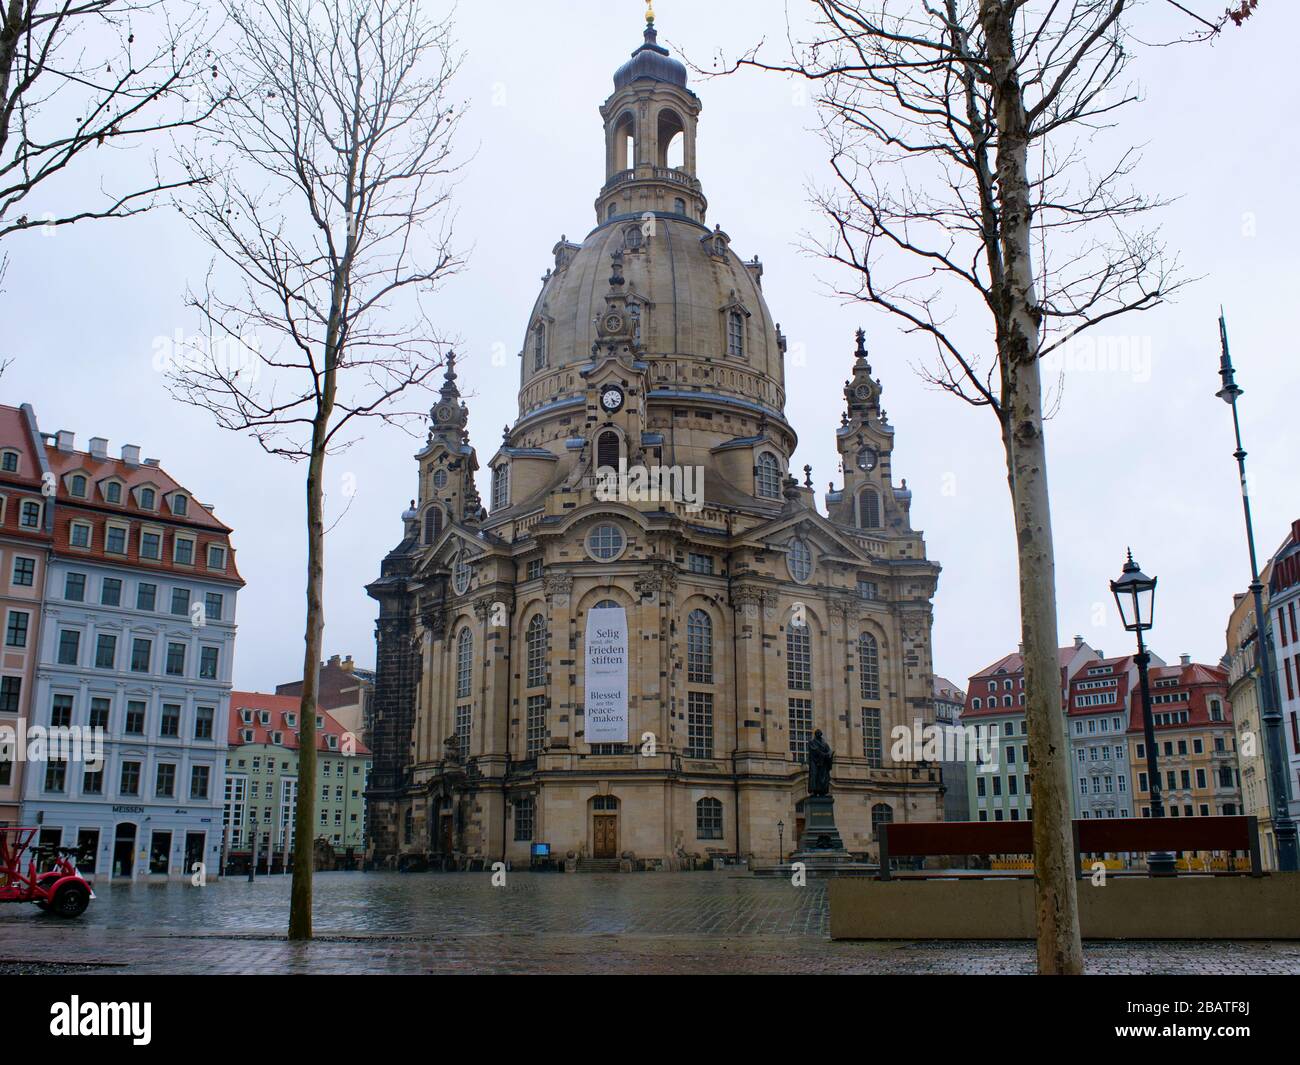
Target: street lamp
x=1270, y=714
x=1135, y=595
x=780, y=842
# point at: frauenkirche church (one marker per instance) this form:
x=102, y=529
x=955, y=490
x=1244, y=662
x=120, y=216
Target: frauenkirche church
x=635, y=674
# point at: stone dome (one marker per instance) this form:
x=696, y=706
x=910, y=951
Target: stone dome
x=650, y=62
x=685, y=283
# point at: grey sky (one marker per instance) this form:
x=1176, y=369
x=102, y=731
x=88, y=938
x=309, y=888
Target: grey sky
x=1139, y=455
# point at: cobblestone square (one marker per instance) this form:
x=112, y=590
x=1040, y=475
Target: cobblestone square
x=535, y=923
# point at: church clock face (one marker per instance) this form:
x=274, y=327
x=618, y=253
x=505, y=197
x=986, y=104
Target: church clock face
x=867, y=459
x=862, y=392
x=611, y=399
x=613, y=323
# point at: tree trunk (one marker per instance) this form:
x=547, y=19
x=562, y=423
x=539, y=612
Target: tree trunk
x=1059, y=948
x=304, y=815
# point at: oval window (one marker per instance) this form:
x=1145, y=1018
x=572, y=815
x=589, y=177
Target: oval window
x=799, y=561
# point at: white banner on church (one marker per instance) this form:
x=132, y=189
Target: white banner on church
x=606, y=681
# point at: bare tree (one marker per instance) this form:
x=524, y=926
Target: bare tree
x=82, y=77
x=330, y=224
x=971, y=202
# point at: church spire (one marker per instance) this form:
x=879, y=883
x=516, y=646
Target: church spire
x=449, y=416
x=862, y=391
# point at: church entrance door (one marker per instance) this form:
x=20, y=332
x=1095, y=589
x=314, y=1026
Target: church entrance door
x=605, y=836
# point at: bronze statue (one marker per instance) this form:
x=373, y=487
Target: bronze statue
x=820, y=757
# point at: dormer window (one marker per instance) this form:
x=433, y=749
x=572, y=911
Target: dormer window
x=767, y=476
x=183, y=551
x=736, y=334
x=432, y=524
x=291, y=719
x=248, y=735
x=29, y=514
x=77, y=485
x=180, y=505
x=148, y=499
x=332, y=742
x=246, y=716
x=539, y=346
x=264, y=717
x=113, y=492
x=501, y=486
x=277, y=738
x=216, y=556
x=9, y=461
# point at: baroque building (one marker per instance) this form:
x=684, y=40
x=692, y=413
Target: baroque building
x=625, y=654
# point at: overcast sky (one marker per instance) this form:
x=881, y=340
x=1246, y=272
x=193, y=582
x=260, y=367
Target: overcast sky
x=1139, y=455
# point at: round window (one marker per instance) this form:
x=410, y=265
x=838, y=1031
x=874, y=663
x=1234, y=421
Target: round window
x=460, y=574
x=605, y=542
x=799, y=561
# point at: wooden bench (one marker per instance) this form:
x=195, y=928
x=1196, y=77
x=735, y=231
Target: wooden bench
x=1120, y=835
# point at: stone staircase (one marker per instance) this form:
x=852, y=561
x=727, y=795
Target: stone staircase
x=598, y=865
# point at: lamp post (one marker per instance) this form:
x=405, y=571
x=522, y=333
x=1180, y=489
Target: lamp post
x=1284, y=828
x=780, y=842
x=1135, y=595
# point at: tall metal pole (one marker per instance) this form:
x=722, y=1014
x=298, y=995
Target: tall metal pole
x=1160, y=863
x=1284, y=828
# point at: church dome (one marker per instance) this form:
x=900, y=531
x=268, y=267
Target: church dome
x=650, y=62
x=693, y=299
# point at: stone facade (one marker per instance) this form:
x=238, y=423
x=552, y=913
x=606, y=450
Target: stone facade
x=753, y=617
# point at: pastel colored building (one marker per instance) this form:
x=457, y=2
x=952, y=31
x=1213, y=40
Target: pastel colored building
x=1283, y=607
x=137, y=642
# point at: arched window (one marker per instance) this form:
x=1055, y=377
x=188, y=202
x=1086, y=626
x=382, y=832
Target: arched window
x=671, y=139
x=113, y=492
x=679, y=206
x=432, y=524
x=869, y=509
x=767, y=476
x=869, y=666
x=146, y=499
x=708, y=819
x=77, y=486
x=464, y=663
x=539, y=346
x=535, y=652
x=798, y=655
x=736, y=334
x=613, y=210
x=608, y=450
x=500, y=486
x=881, y=814
x=699, y=648
x=460, y=572
x=799, y=560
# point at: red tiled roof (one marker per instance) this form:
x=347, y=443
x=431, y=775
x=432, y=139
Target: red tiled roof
x=25, y=482
x=278, y=706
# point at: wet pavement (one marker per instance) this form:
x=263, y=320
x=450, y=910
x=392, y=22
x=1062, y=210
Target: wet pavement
x=543, y=923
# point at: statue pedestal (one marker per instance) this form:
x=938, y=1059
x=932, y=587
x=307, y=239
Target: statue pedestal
x=821, y=839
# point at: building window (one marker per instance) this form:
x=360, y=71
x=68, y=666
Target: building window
x=881, y=814
x=175, y=660
x=10, y=689
x=798, y=653
x=146, y=597
x=183, y=551
x=708, y=819
x=148, y=499
x=213, y=606
x=536, y=737
x=110, y=592
x=130, y=778
x=180, y=601
x=170, y=726
x=697, y=563
x=165, y=781
x=800, y=727
x=736, y=334
x=525, y=816
x=9, y=462
x=105, y=650
x=535, y=652
x=56, y=776
x=16, y=628
x=533, y=571
x=608, y=450
x=151, y=545
x=872, y=747
x=180, y=505
x=463, y=719
x=24, y=572
x=460, y=573
x=208, y=662
x=113, y=492
x=699, y=725
x=464, y=663
x=699, y=648
x=432, y=523
x=74, y=587
x=216, y=557
x=200, y=777
x=29, y=515
x=77, y=486
x=115, y=540
x=203, y=719
x=799, y=560
x=500, y=486
x=767, y=476
x=79, y=534
x=868, y=589
x=869, y=509
x=141, y=652
x=69, y=647
x=605, y=542
x=134, y=718
x=539, y=346
x=869, y=666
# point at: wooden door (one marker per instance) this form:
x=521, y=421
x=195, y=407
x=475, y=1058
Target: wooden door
x=605, y=842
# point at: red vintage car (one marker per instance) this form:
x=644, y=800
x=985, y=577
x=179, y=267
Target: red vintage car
x=60, y=890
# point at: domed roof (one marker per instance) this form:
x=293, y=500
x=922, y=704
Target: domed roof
x=651, y=61
x=684, y=280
